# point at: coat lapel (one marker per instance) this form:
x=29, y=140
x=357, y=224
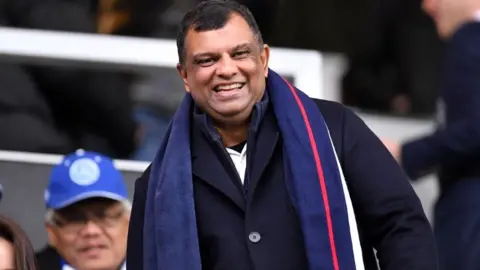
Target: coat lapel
x=209, y=166
x=265, y=142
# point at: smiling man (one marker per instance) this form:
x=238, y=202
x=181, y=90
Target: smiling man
x=87, y=217
x=253, y=174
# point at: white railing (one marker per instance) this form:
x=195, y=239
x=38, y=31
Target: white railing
x=52, y=160
x=139, y=53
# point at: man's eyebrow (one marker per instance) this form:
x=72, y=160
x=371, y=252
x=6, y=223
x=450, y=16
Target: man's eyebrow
x=241, y=46
x=205, y=54
x=235, y=48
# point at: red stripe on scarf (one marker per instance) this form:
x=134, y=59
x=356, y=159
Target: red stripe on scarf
x=321, y=179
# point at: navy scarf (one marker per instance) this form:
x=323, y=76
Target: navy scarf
x=313, y=175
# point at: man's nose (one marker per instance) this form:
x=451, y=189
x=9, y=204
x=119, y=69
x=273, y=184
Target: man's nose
x=91, y=228
x=227, y=67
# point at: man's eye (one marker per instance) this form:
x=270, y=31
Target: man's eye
x=240, y=54
x=75, y=219
x=72, y=219
x=205, y=61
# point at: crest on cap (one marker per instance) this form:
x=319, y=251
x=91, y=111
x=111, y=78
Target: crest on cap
x=84, y=172
x=46, y=195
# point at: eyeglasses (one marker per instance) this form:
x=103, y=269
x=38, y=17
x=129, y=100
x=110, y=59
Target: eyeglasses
x=74, y=222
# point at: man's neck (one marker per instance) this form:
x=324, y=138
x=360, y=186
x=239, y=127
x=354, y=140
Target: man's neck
x=476, y=16
x=233, y=135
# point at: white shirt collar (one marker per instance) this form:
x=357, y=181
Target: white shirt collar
x=68, y=267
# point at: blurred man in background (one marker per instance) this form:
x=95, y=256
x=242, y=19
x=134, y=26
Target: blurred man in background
x=394, y=62
x=454, y=149
x=87, y=217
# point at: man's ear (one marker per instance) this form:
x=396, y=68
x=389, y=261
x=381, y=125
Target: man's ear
x=265, y=57
x=52, y=237
x=183, y=74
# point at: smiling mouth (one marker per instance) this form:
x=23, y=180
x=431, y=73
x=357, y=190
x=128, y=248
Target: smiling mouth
x=92, y=248
x=228, y=87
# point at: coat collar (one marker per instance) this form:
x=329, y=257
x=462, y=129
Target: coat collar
x=212, y=164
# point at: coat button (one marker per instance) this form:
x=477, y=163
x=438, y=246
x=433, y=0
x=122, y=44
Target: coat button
x=254, y=237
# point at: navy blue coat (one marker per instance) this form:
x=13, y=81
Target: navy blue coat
x=389, y=214
x=454, y=148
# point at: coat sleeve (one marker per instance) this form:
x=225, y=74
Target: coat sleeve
x=387, y=208
x=460, y=139
x=135, y=230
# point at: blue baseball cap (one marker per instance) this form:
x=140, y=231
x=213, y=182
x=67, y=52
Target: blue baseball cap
x=83, y=175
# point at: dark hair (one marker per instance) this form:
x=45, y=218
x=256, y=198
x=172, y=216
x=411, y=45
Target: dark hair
x=212, y=15
x=22, y=248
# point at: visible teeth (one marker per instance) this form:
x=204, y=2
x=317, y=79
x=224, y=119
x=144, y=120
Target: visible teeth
x=229, y=86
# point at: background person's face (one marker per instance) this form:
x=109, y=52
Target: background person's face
x=225, y=70
x=97, y=244
x=435, y=8
x=7, y=259
x=449, y=15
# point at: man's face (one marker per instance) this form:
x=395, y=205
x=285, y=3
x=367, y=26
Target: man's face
x=91, y=234
x=225, y=70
